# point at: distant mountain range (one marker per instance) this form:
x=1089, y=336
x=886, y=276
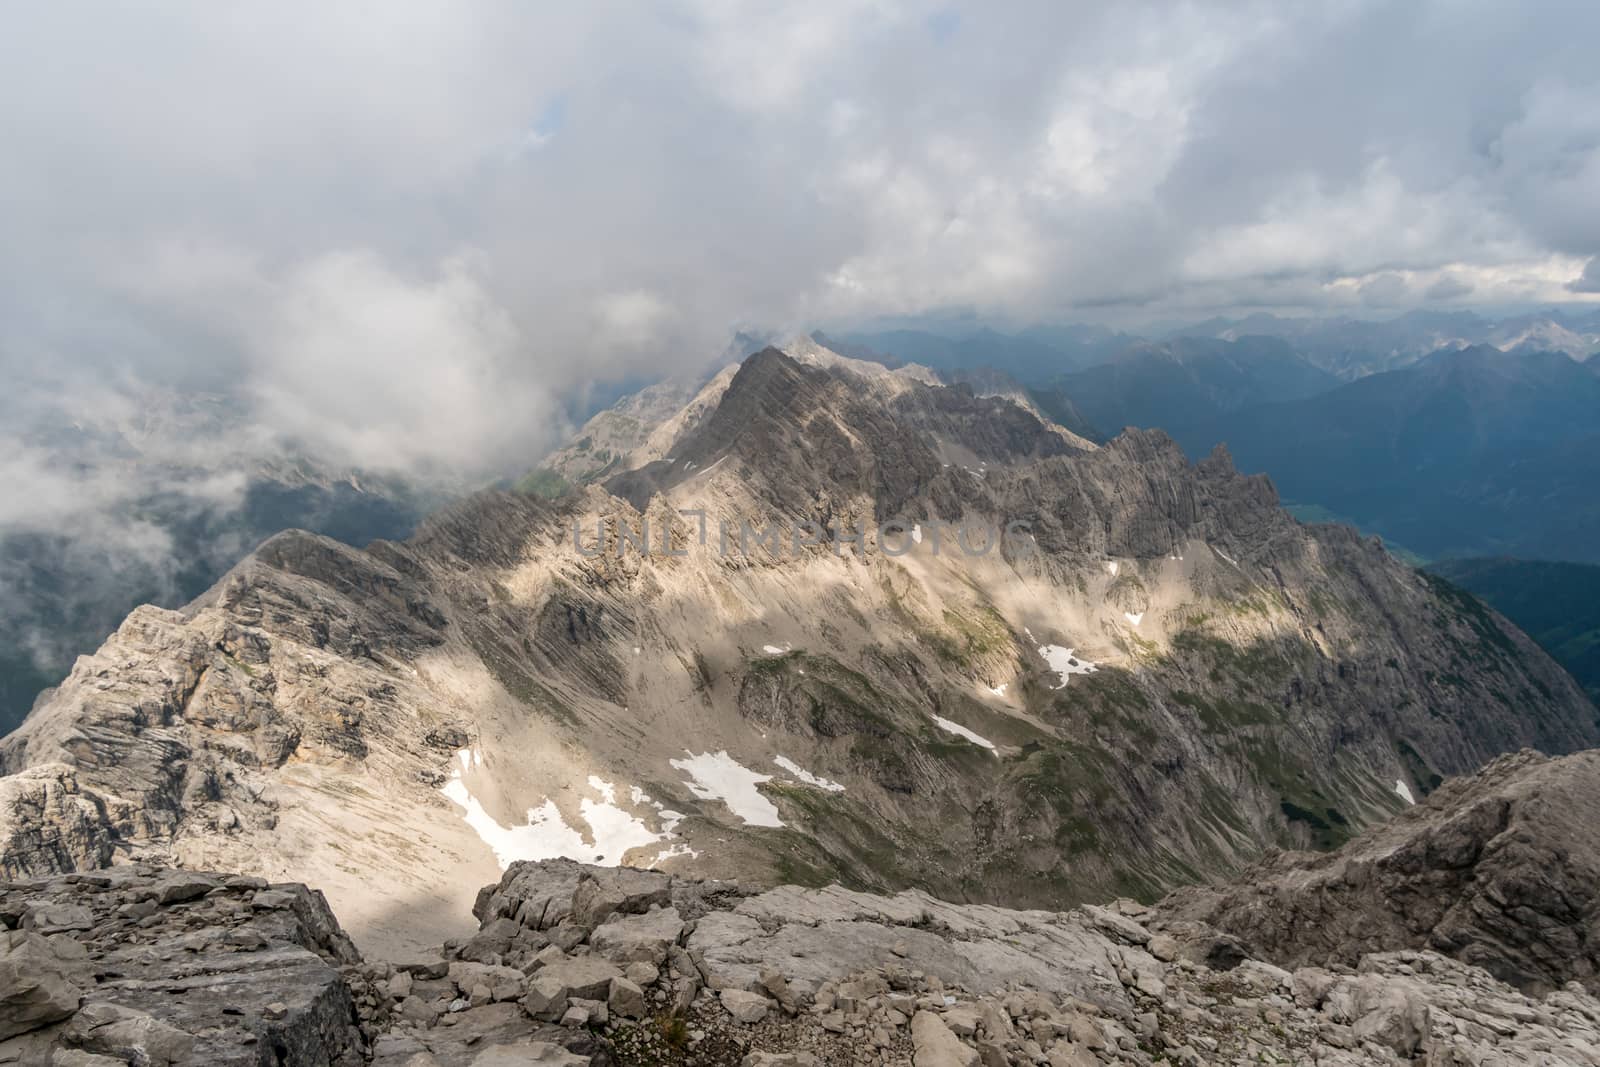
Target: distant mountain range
x=1346, y=348
x=1467, y=453
x=1184, y=386
x=1353, y=348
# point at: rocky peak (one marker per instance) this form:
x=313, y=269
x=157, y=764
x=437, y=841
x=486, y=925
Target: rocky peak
x=1498, y=870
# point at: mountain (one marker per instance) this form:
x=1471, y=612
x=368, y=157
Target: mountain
x=1033, y=356
x=1061, y=409
x=1557, y=604
x=636, y=429
x=154, y=508
x=1184, y=386
x=1470, y=452
x=1354, y=348
x=1157, y=677
x=1399, y=948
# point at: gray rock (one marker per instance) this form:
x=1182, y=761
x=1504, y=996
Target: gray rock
x=1526, y=829
x=539, y=1052
x=134, y=1036
x=1399, y=1021
x=638, y=938
x=37, y=986
x=73, y=1057
x=181, y=886
x=745, y=1007
x=627, y=999
x=549, y=990
x=936, y=1045
x=503, y=983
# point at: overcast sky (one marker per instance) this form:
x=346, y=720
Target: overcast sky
x=401, y=229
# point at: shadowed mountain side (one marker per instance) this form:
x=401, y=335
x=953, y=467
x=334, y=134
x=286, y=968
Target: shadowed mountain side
x=1498, y=869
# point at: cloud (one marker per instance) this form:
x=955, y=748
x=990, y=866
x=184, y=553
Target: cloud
x=1589, y=280
x=403, y=242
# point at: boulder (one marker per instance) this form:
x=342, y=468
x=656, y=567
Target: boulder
x=37, y=986
x=627, y=999
x=745, y=1007
x=549, y=991
x=625, y=939
x=1399, y=1021
x=937, y=1045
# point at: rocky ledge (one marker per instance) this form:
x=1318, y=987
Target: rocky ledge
x=576, y=965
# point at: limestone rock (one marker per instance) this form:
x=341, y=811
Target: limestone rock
x=550, y=990
x=37, y=986
x=744, y=1006
x=1501, y=870
x=638, y=938
x=937, y=1046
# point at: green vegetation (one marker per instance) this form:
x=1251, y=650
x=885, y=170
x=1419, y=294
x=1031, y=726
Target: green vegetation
x=1300, y=795
x=1223, y=715
x=970, y=637
x=542, y=481
x=1426, y=777
x=1556, y=604
x=1255, y=664
x=1468, y=609
x=1109, y=697
x=1070, y=781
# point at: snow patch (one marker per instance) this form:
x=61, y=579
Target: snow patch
x=774, y=650
x=806, y=776
x=961, y=731
x=1065, y=664
x=1224, y=555
x=1133, y=617
x=546, y=835
x=998, y=690
x=707, y=470
x=1113, y=567
x=680, y=849
x=720, y=777
x=916, y=533
x=1404, y=791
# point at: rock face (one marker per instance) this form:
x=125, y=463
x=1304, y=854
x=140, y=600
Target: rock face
x=147, y=966
x=1164, y=676
x=98, y=971
x=1500, y=870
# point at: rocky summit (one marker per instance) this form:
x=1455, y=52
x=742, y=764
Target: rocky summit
x=1149, y=678
x=572, y=965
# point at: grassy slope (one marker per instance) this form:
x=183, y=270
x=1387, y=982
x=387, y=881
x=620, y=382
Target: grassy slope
x=1558, y=604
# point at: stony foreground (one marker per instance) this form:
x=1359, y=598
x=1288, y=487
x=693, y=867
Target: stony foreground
x=578, y=965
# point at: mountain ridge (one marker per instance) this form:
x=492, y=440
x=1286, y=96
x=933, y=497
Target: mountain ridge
x=1174, y=676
